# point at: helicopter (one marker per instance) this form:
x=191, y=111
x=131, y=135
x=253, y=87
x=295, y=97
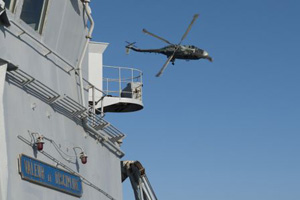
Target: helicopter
x=174, y=51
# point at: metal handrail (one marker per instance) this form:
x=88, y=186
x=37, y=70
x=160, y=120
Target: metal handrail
x=127, y=68
x=85, y=180
x=43, y=45
x=117, y=67
x=50, y=51
x=72, y=107
x=136, y=76
x=90, y=85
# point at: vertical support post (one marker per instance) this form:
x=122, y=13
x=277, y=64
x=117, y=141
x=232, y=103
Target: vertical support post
x=93, y=99
x=131, y=75
x=120, y=89
x=132, y=82
x=94, y=105
x=141, y=77
x=102, y=108
x=107, y=86
x=3, y=137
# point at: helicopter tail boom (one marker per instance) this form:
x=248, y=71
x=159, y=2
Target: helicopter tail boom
x=131, y=46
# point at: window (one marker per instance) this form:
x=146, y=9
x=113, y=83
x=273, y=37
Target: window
x=10, y=4
x=33, y=13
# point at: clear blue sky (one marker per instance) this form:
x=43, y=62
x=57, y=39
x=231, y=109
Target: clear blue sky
x=227, y=130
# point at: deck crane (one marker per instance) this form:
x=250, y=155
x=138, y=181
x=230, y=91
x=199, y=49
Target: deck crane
x=139, y=181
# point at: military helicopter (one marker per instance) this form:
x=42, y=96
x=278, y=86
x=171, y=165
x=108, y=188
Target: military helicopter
x=174, y=51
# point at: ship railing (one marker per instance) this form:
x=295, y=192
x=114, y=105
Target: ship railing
x=67, y=106
x=98, y=123
x=94, y=102
x=64, y=103
x=48, y=49
x=123, y=82
x=96, y=120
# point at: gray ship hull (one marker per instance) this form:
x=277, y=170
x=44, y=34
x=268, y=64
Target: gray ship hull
x=42, y=98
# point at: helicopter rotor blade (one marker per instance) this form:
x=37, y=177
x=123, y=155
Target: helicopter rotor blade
x=189, y=28
x=164, y=66
x=162, y=39
x=167, y=62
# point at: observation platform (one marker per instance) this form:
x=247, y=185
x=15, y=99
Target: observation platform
x=123, y=89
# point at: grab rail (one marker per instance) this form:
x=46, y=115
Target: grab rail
x=50, y=51
x=122, y=77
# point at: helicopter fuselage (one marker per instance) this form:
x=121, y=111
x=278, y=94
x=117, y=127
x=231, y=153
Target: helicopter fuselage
x=174, y=51
x=185, y=52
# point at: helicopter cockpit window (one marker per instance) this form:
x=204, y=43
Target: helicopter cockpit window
x=33, y=13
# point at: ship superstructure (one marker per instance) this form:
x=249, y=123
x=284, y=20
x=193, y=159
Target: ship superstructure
x=54, y=140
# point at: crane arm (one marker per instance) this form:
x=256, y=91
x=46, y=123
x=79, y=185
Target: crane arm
x=140, y=184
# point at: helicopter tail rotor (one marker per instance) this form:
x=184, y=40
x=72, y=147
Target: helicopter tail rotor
x=129, y=46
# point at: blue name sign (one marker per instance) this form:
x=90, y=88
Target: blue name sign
x=47, y=175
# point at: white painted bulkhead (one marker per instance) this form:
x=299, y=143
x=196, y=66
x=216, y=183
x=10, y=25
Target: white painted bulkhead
x=126, y=97
x=96, y=51
x=64, y=32
x=3, y=143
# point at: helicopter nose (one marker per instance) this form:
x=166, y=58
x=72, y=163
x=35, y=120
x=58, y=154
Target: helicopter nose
x=209, y=58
